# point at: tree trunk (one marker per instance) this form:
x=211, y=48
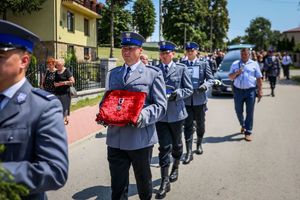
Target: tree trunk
x=112, y=10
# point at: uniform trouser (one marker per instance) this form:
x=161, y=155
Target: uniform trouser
x=169, y=138
x=286, y=71
x=119, y=164
x=196, y=113
x=241, y=97
x=272, y=80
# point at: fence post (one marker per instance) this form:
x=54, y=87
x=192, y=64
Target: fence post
x=106, y=64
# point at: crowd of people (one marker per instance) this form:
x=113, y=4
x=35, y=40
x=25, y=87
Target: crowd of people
x=175, y=104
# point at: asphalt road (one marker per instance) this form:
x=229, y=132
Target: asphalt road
x=268, y=168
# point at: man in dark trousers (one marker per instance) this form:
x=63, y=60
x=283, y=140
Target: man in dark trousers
x=202, y=79
x=247, y=77
x=132, y=145
x=31, y=120
x=169, y=128
x=272, y=67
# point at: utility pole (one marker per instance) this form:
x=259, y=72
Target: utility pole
x=160, y=21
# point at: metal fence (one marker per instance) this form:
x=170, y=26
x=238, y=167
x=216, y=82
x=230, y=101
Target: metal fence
x=87, y=75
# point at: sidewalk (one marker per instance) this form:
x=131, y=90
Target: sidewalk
x=82, y=123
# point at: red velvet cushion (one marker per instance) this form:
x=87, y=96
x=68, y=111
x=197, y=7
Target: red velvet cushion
x=121, y=107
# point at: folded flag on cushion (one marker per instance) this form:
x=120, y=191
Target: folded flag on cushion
x=121, y=107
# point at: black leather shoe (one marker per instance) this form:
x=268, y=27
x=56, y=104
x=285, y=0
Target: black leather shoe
x=165, y=185
x=174, y=172
x=189, y=153
x=199, y=149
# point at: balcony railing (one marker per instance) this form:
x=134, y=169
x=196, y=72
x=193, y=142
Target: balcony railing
x=92, y=5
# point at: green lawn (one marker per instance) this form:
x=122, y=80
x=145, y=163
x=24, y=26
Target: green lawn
x=103, y=52
x=296, y=78
x=87, y=102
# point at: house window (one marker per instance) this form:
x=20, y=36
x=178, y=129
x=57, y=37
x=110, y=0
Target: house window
x=70, y=49
x=86, y=52
x=70, y=21
x=86, y=27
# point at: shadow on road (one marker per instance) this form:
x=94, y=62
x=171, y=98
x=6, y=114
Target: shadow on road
x=104, y=192
x=227, y=138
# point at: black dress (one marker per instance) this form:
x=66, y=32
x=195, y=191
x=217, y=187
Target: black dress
x=49, y=81
x=63, y=92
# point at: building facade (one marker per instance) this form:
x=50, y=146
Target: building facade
x=63, y=26
x=294, y=33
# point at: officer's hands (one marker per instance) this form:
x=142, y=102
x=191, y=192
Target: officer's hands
x=217, y=82
x=138, y=122
x=172, y=96
x=102, y=123
x=202, y=88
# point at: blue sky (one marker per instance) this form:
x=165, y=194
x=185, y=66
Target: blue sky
x=283, y=14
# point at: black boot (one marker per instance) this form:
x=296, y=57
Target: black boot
x=174, y=172
x=165, y=185
x=189, y=153
x=199, y=149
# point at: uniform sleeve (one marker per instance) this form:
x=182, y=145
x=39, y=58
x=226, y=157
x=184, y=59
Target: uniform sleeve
x=49, y=167
x=68, y=74
x=157, y=110
x=208, y=77
x=186, y=89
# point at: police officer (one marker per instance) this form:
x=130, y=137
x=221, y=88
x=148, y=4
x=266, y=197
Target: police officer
x=169, y=129
x=272, y=67
x=31, y=120
x=128, y=145
x=202, y=79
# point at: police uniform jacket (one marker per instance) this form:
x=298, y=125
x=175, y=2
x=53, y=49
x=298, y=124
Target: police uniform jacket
x=146, y=79
x=205, y=77
x=32, y=130
x=272, y=66
x=178, y=78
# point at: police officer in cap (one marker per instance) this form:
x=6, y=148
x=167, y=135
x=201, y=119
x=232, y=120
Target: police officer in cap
x=202, y=78
x=132, y=145
x=169, y=129
x=31, y=120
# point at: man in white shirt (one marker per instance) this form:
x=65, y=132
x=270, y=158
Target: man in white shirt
x=286, y=62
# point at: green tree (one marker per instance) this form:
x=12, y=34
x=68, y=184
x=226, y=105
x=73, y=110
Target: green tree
x=259, y=32
x=275, y=39
x=144, y=17
x=122, y=23
x=114, y=5
x=184, y=20
x=236, y=40
x=20, y=6
x=216, y=22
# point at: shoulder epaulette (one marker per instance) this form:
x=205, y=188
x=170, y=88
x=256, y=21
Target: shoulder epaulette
x=181, y=64
x=115, y=68
x=156, y=68
x=42, y=93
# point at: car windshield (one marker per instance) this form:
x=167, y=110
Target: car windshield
x=229, y=58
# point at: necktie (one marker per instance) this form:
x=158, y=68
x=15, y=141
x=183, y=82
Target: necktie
x=166, y=69
x=191, y=63
x=2, y=96
x=127, y=74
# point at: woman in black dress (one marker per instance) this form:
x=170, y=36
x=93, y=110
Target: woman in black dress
x=63, y=80
x=49, y=76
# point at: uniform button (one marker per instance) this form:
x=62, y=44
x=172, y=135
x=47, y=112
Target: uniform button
x=10, y=138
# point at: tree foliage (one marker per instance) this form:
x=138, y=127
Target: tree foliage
x=20, y=6
x=144, y=17
x=197, y=18
x=259, y=33
x=122, y=22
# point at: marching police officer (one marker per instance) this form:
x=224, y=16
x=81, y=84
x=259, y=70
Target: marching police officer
x=128, y=145
x=202, y=79
x=272, y=67
x=31, y=120
x=169, y=129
